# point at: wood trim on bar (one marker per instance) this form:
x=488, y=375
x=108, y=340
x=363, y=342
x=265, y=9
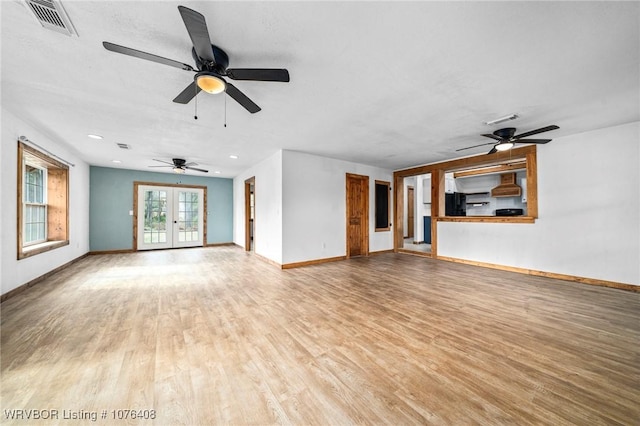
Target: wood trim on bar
x=469, y=162
x=495, y=163
x=496, y=169
x=487, y=219
x=563, y=277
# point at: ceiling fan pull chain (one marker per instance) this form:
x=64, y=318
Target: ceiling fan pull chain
x=225, y=111
x=195, y=117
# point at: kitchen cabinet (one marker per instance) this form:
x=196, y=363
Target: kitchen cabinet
x=427, y=229
x=449, y=184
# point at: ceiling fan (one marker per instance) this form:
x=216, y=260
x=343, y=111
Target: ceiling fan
x=211, y=65
x=506, y=139
x=180, y=166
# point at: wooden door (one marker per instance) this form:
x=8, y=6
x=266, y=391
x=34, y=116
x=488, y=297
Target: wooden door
x=249, y=212
x=410, y=211
x=357, y=215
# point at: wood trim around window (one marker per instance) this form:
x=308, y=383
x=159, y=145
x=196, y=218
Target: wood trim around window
x=57, y=203
x=375, y=200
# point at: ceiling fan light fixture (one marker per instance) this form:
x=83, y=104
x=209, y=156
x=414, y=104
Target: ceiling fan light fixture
x=504, y=146
x=179, y=170
x=210, y=83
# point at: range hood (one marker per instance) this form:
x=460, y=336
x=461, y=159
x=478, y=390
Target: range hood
x=507, y=187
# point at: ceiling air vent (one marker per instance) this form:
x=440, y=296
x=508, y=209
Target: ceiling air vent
x=50, y=14
x=123, y=146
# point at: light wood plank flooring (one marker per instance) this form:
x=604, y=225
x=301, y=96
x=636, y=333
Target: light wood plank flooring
x=217, y=336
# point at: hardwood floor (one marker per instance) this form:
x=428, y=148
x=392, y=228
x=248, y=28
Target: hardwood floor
x=216, y=336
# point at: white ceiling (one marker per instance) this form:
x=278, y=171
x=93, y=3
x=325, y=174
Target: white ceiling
x=382, y=83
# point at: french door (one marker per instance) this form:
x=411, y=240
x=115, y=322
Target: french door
x=169, y=217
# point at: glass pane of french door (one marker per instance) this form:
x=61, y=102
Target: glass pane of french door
x=154, y=218
x=188, y=214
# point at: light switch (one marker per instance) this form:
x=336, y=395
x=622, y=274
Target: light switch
x=130, y=212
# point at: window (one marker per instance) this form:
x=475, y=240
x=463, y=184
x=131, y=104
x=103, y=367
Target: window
x=382, y=205
x=35, y=205
x=43, y=218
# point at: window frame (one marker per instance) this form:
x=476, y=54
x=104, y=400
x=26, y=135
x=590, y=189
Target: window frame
x=55, y=200
x=25, y=221
x=387, y=185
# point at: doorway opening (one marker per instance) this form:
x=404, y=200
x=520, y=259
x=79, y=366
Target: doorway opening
x=169, y=216
x=417, y=214
x=249, y=213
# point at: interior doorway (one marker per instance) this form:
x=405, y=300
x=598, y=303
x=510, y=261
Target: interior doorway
x=357, y=189
x=249, y=213
x=411, y=212
x=169, y=217
x=417, y=214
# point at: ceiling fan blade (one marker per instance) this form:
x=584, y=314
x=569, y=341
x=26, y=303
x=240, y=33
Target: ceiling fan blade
x=475, y=146
x=144, y=55
x=159, y=166
x=190, y=163
x=498, y=138
x=187, y=94
x=242, y=99
x=161, y=161
x=199, y=33
x=535, y=132
x=534, y=140
x=259, y=74
x=196, y=169
x=493, y=151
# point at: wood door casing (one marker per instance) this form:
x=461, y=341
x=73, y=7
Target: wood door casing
x=357, y=189
x=248, y=243
x=410, y=211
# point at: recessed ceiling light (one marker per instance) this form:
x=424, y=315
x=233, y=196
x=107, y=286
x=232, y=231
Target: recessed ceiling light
x=217, y=172
x=235, y=157
x=95, y=136
x=116, y=161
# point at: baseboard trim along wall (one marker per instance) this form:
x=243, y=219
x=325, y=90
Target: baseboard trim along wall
x=119, y=251
x=112, y=251
x=564, y=277
x=312, y=262
x=35, y=281
x=220, y=244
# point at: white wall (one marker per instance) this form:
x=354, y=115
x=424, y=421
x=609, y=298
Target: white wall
x=589, y=213
x=268, y=207
x=314, y=207
x=13, y=272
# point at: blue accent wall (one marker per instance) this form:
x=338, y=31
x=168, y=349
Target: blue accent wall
x=111, y=199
